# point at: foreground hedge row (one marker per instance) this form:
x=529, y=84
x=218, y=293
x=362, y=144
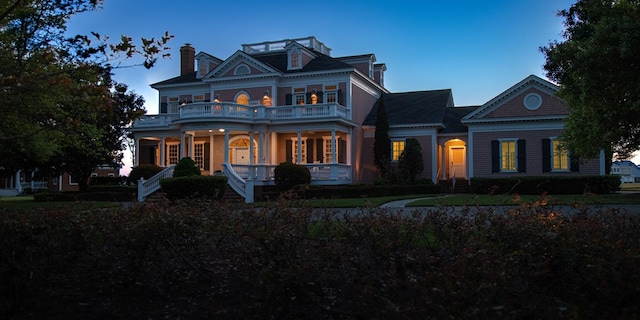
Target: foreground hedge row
x=205, y=260
x=349, y=191
x=546, y=184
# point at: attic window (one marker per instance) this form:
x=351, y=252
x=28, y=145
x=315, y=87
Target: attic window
x=241, y=70
x=295, y=59
x=532, y=101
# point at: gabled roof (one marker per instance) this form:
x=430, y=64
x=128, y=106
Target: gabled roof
x=185, y=78
x=528, y=82
x=234, y=59
x=414, y=108
x=322, y=62
x=452, y=117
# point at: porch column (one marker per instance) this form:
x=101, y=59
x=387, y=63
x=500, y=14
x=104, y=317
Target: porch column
x=211, y=169
x=181, y=155
x=443, y=176
x=470, y=156
x=137, y=152
x=333, y=171
x=226, y=146
x=190, y=147
x=163, y=152
x=261, y=147
x=251, y=155
x=299, y=144
x=434, y=159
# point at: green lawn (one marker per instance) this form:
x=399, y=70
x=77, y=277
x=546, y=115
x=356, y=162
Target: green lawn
x=493, y=200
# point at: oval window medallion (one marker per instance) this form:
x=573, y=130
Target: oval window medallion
x=532, y=101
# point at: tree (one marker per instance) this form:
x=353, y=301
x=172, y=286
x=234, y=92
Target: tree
x=411, y=162
x=382, y=143
x=598, y=69
x=186, y=167
x=54, y=88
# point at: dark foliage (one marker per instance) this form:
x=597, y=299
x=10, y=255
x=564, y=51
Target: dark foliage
x=186, y=167
x=546, y=185
x=287, y=175
x=411, y=163
x=145, y=171
x=382, y=143
x=208, y=187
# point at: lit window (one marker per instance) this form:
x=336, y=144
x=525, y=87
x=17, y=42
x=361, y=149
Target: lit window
x=314, y=98
x=508, y=155
x=301, y=147
x=242, y=99
x=398, y=148
x=299, y=96
x=173, y=153
x=328, y=149
x=560, y=156
x=295, y=59
x=198, y=154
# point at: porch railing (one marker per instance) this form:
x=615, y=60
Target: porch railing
x=237, y=183
x=147, y=187
x=228, y=110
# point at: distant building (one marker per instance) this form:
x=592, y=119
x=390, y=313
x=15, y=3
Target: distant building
x=628, y=171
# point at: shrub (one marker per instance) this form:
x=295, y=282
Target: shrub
x=210, y=187
x=49, y=196
x=186, y=167
x=546, y=184
x=145, y=171
x=288, y=175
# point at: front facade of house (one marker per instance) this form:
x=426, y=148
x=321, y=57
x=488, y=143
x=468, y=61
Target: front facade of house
x=290, y=100
x=628, y=171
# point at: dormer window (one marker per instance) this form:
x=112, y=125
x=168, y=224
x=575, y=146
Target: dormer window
x=242, y=70
x=295, y=59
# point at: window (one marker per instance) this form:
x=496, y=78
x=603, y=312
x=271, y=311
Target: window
x=299, y=94
x=94, y=174
x=198, y=154
x=299, y=147
x=397, y=149
x=242, y=70
x=111, y=174
x=328, y=150
x=173, y=153
x=242, y=99
x=331, y=93
x=314, y=98
x=295, y=59
x=508, y=155
x=560, y=156
x=73, y=181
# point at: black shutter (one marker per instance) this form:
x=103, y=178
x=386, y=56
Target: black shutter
x=546, y=155
x=289, y=151
x=319, y=150
x=163, y=107
x=319, y=94
x=574, y=164
x=207, y=148
x=308, y=98
x=288, y=99
x=340, y=98
x=342, y=151
x=522, y=155
x=309, y=150
x=495, y=156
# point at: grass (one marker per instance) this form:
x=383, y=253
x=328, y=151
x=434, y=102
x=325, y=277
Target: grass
x=506, y=200
x=24, y=203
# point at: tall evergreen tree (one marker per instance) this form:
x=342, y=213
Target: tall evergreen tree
x=411, y=162
x=382, y=143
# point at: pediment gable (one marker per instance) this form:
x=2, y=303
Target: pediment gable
x=532, y=98
x=240, y=64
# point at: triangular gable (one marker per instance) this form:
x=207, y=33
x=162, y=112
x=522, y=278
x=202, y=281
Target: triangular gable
x=240, y=57
x=532, y=98
x=206, y=63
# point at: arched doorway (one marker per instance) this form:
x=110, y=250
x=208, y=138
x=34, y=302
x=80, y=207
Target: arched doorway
x=239, y=150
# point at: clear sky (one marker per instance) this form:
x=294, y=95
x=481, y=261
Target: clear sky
x=476, y=48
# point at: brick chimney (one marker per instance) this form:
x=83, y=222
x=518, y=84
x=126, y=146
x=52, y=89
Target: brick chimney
x=187, y=59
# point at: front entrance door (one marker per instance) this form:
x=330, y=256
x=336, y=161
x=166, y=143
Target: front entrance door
x=457, y=162
x=241, y=155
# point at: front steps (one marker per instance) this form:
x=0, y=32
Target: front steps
x=461, y=186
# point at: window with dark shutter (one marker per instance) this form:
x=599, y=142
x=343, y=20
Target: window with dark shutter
x=288, y=99
x=207, y=151
x=289, y=151
x=522, y=155
x=342, y=151
x=574, y=164
x=319, y=150
x=495, y=156
x=163, y=107
x=546, y=155
x=309, y=150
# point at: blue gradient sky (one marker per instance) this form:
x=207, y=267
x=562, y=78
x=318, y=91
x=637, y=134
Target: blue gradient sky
x=476, y=48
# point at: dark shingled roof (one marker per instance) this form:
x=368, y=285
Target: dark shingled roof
x=185, y=78
x=420, y=107
x=452, y=117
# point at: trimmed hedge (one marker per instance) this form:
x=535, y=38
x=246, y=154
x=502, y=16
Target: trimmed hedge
x=355, y=191
x=211, y=187
x=544, y=184
x=95, y=193
x=145, y=171
x=106, y=181
x=288, y=175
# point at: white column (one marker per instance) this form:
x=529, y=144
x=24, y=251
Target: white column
x=211, y=169
x=163, y=152
x=299, y=144
x=251, y=155
x=137, y=153
x=443, y=175
x=470, y=156
x=333, y=146
x=434, y=159
x=226, y=146
x=181, y=155
x=190, y=146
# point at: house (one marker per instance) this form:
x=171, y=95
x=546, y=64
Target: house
x=14, y=183
x=628, y=171
x=290, y=100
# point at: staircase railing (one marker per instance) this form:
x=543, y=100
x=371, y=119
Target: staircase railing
x=235, y=181
x=147, y=187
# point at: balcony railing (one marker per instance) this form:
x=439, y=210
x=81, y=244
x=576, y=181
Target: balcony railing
x=231, y=111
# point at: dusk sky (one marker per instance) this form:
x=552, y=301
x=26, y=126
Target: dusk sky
x=476, y=48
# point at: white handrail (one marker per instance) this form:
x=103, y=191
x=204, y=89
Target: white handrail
x=235, y=181
x=147, y=187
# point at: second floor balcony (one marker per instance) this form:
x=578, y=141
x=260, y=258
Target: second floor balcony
x=229, y=111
